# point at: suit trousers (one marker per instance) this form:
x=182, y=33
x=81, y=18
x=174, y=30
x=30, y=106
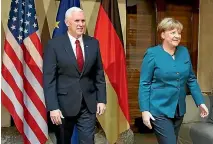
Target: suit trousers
x=85, y=123
x=166, y=129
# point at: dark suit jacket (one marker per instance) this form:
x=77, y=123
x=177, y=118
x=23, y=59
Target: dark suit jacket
x=64, y=85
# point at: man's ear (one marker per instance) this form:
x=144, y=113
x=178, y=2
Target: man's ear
x=66, y=22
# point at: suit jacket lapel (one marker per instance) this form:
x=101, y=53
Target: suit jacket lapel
x=86, y=51
x=69, y=50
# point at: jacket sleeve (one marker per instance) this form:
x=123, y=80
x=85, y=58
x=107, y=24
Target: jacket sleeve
x=193, y=86
x=100, y=82
x=146, y=75
x=49, y=78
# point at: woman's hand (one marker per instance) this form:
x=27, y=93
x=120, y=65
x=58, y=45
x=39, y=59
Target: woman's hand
x=146, y=116
x=204, y=112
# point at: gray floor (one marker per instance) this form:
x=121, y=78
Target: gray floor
x=11, y=136
x=145, y=138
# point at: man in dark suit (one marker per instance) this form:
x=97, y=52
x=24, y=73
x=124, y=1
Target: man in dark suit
x=74, y=83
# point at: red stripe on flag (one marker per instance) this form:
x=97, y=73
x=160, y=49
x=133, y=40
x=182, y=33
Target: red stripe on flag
x=19, y=95
x=34, y=126
x=37, y=43
x=32, y=65
x=12, y=55
x=18, y=122
x=113, y=57
x=28, y=88
x=26, y=141
x=8, y=104
x=10, y=80
x=35, y=99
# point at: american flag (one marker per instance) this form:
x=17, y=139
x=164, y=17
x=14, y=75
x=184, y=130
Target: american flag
x=22, y=92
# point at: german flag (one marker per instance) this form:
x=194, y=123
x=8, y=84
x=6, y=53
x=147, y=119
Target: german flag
x=108, y=32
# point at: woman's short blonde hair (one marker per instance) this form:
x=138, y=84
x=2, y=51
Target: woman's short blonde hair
x=169, y=24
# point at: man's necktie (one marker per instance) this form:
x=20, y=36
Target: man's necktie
x=79, y=55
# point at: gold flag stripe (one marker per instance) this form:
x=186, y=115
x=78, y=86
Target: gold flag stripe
x=113, y=120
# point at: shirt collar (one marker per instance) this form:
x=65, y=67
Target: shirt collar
x=73, y=39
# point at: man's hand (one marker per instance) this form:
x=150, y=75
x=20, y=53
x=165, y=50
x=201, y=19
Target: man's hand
x=56, y=116
x=101, y=107
x=204, y=112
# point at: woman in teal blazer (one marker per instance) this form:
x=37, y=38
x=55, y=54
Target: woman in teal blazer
x=165, y=72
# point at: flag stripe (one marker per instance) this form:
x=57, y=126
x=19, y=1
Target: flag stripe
x=30, y=134
x=8, y=90
x=11, y=43
x=8, y=50
x=18, y=94
x=113, y=59
x=14, y=107
x=33, y=53
x=36, y=114
x=34, y=97
x=118, y=122
x=37, y=44
x=11, y=46
x=35, y=85
x=9, y=66
x=32, y=65
x=7, y=102
x=34, y=126
x=37, y=99
x=31, y=107
x=39, y=37
x=19, y=67
x=111, y=9
x=12, y=79
x=13, y=85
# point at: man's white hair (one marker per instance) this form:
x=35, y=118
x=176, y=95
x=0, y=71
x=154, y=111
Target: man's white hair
x=69, y=12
